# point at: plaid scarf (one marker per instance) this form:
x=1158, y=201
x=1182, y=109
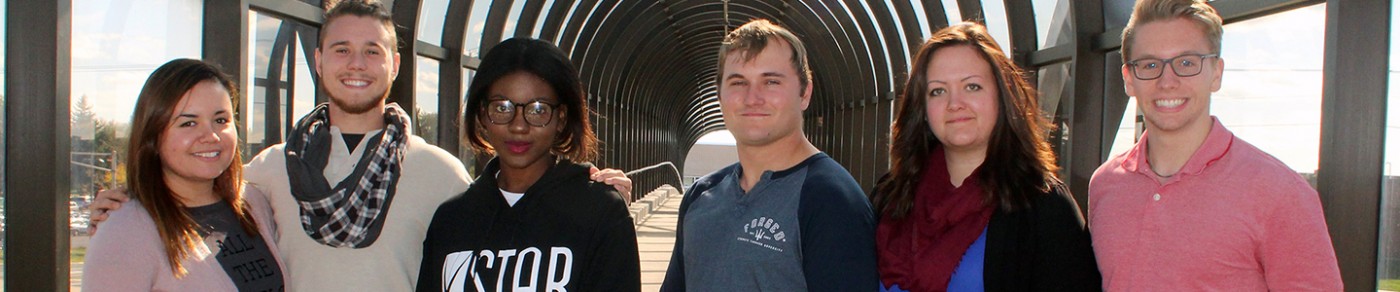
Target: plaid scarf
x=350, y=214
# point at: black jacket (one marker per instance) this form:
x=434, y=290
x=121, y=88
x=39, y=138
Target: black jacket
x=567, y=231
x=1043, y=248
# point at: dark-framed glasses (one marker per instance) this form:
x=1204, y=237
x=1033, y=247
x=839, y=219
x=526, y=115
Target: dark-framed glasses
x=1183, y=66
x=537, y=113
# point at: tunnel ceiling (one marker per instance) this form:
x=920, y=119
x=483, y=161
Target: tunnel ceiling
x=660, y=56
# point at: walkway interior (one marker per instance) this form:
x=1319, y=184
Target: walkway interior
x=656, y=233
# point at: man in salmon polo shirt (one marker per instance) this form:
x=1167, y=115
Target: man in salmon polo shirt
x=1191, y=207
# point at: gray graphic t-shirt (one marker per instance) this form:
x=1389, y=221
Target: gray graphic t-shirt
x=747, y=241
x=246, y=258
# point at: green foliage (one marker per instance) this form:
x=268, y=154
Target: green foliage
x=1389, y=284
x=425, y=125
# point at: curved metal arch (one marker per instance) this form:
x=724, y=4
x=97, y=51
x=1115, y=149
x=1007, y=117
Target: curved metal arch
x=405, y=15
x=856, y=59
x=451, y=88
x=971, y=10
x=1020, y=21
x=685, y=62
x=576, y=21
x=554, y=19
x=703, y=113
x=913, y=34
x=620, y=46
x=898, y=60
x=876, y=48
x=494, y=25
x=936, y=15
x=613, y=86
x=529, y=15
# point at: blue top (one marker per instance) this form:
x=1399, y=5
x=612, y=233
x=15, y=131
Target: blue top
x=968, y=275
x=805, y=228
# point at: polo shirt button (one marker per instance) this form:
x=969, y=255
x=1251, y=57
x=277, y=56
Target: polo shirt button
x=1156, y=197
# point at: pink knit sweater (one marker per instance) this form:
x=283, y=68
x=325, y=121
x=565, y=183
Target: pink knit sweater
x=127, y=255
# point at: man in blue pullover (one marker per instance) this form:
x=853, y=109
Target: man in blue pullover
x=786, y=217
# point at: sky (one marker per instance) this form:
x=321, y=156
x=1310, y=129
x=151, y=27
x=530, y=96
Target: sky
x=1271, y=93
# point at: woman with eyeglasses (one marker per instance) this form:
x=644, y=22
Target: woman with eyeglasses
x=532, y=219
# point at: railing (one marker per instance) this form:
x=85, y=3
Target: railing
x=647, y=179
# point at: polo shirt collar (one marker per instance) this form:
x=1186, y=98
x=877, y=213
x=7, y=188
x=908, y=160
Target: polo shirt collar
x=1215, y=146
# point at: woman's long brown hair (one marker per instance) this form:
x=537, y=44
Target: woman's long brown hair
x=1019, y=162
x=155, y=107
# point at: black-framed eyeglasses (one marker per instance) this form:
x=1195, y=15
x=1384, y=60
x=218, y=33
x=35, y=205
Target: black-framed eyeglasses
x=537, y=113
x=1183, y=66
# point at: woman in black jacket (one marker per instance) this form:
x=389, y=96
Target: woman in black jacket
x=971, y=202
x=532, y=219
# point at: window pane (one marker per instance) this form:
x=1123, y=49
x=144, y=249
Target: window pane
x=116, y=46
x=1052, y=22
x=544, y=14
x=475, y=23
x=995, y=18
x=264, y=34
x=950, y=8
x=508, y=30
x=1053, y=80
x=425, y=99
x=1388, y=263
x=431, y=16
x=1275, y=105
x=1130, y=125
x=305, y=86
x=283, y=88
x=465, y=148
x=923, y=20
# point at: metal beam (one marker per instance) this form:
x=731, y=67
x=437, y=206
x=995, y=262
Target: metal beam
x=1241, y=10
x=1350, y=162
x=1086, y=110
x=495, y=23
x=37, y=82
x=1020, y=21
x=450, y=86
x=971, y=10
x=282, y=51
x=1051, y=55
x=936, y=15
x=406, y=25
x=230, y=18
x=529, y=15
x=431, y=51
x=291, y=10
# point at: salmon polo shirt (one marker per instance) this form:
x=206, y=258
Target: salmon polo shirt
x=1232, y=219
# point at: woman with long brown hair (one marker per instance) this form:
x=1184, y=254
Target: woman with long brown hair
x=188, y=227
x=972, y=202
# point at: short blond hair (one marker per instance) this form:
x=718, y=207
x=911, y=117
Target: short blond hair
x=1197, y=11
x=751, y=38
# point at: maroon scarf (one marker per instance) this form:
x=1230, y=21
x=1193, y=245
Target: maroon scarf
x=920, y=251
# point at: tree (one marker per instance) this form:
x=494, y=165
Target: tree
x=425, y=125
x=83, y=118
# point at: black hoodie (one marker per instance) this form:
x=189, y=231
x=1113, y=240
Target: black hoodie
x=566, y=232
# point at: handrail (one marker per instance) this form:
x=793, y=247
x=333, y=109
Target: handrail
x=650, y=178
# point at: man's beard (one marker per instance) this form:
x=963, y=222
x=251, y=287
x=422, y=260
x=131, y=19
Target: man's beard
x=358, y=108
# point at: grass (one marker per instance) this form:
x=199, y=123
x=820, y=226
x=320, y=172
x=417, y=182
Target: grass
x=76, y=255
x=1389, y=284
